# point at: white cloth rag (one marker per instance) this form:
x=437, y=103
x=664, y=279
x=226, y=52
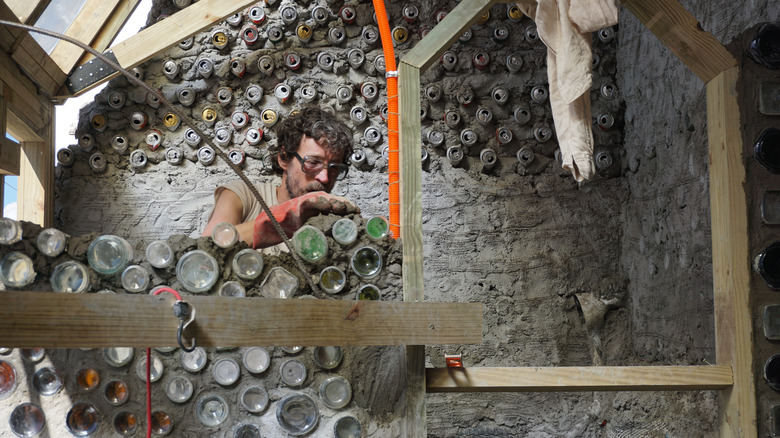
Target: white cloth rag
x=564, y=26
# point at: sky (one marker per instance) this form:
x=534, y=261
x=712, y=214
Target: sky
x=66, y=117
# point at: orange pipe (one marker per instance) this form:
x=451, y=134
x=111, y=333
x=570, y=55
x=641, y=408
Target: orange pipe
x=393, y=171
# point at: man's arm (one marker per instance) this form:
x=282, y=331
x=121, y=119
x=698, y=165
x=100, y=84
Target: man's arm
x=229, y=208
x=292, y=214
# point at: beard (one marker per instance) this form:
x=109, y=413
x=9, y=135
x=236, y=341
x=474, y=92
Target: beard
x=296, y=188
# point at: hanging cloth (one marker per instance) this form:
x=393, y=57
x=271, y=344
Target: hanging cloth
x=565, y=27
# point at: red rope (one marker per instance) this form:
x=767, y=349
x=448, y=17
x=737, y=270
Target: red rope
x=148, y=392
x=149, y=368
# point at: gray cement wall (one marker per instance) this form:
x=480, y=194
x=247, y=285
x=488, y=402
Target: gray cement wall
x=523, y=240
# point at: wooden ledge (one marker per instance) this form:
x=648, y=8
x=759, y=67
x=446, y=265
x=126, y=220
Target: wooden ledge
x=565, y=379
x=60, y=320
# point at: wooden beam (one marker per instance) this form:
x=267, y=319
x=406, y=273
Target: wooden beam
x=549, y=379
x=36, y=182
x=54, y=320
x=22, y=99
x=9, y=151
x=28, y=55
x=730, y=256
x=31, y=58
x=411, y=234
x=19, y=129
x=169, y=32
x=683, y=35
x=27, y=11
x=111, y=28
x=85, y=28
x=441, y=37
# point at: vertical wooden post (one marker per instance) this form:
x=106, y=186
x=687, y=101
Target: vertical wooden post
x=411, y=234
x=36, y=178
x=730, y=257
x=422, y=56
x=3, y=133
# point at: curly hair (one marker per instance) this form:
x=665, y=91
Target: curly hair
x=329, y=132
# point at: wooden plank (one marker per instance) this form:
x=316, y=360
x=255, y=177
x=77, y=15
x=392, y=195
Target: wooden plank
x=27, y=11
x=29, y=56
x=34, y=61
x=53, y=320
x=441, y=37
x=23, y=100
x=549, y=379
x=411, y=234
x=84, y=28
x=36, y=183
x=9, y=151
x=668, y=20
x=111, y=28
x=730, y=255
x=19, y=129
x=9, y=157
x=166, y=33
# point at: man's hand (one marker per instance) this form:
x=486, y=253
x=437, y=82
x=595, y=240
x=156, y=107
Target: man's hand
x=292, y=214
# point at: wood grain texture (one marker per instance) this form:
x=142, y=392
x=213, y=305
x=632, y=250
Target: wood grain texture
x=27, y=11
x=36, y=182
x=730, y=256
x=699, y=50
x=441, y=37
x=54, y=320
x=411, y=235
x=22, y=99
x=549, y=379
x=85, y=28
x=9, y=156
x=111, y=28
x=9, y=151
x=175, y=28
x=169, y=32
x=29, y=56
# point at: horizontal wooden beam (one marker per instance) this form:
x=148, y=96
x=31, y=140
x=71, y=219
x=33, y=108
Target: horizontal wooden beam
x=699, y=50
x=9, y=157
x=169, y=32
x=441, y=37
x=566, y=379
x=61, y=320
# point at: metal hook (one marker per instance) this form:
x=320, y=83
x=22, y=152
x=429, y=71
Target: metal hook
x=186, y=315
x=181, y=344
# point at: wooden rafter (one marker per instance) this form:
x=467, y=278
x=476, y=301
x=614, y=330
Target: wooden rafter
x=111, y=27
x=23, y=51
x=85, y=27
x=166, y=33
x=27, y=11
x=699, y=50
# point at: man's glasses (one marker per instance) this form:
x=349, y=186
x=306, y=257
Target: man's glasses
x=313, y=166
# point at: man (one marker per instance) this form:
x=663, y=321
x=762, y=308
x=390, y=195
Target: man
x=312, y=151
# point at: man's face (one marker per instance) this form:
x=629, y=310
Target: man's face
x=297, y=181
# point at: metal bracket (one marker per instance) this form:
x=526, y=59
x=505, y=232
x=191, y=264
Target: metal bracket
x=90, y=72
